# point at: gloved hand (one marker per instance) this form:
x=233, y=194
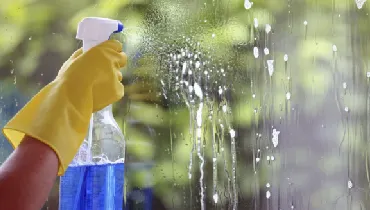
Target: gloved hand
x=59, y=114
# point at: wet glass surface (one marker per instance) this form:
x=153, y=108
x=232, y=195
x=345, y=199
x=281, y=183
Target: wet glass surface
x=229, y=104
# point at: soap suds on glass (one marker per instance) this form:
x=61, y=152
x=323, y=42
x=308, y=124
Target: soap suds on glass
x=360, y=3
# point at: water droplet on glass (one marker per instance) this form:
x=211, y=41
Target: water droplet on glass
x=219, y=90
x=305, y=22
x=268, y=28
x=199, y=130
x=248, y=4
x=213, y=35
x=360, y=3
x=349, y=184
x=335, y=48
x=270, y=67
x=344, y=85
x=12, y=71
x=268, y=157
x=198, y=90
x=254, y=96
x=255, y=20
x=285, y=57
x=258, y=160
x=346, y=109
x=275, y=137
x=215, y=197
x=266, y=51
x=224, y=108
x=287, y=96
x=268, y=194
x=232, y=133
x=30, y=38
x=272, y=158
x=268, y=185
x=368, y=74
x=255, y=52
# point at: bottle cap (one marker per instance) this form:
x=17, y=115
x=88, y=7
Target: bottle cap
x=97, y=29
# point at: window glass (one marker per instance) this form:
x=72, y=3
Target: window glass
x=229, y=104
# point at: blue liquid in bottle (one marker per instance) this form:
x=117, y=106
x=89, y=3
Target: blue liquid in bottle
x=93, y=187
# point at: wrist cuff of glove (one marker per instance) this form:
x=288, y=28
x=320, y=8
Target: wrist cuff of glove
x=54, y=118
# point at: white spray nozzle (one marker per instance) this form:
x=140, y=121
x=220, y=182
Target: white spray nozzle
x=95, y=30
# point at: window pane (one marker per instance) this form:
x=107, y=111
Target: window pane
x=229, y=104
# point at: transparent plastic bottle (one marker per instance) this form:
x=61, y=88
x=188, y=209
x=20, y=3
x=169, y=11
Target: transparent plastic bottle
x=108, y=142
x=95, y=178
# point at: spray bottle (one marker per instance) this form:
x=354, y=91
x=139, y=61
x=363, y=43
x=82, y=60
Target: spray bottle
x=104, y=142
x=95, y=178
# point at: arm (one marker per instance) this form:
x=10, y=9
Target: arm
x=27, y=176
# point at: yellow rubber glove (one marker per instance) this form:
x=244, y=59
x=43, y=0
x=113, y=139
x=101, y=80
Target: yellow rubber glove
x=59, y=114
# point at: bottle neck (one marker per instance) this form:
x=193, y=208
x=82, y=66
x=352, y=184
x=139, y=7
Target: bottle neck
x=105, y=113
x=107, y=109
x=105, y=116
